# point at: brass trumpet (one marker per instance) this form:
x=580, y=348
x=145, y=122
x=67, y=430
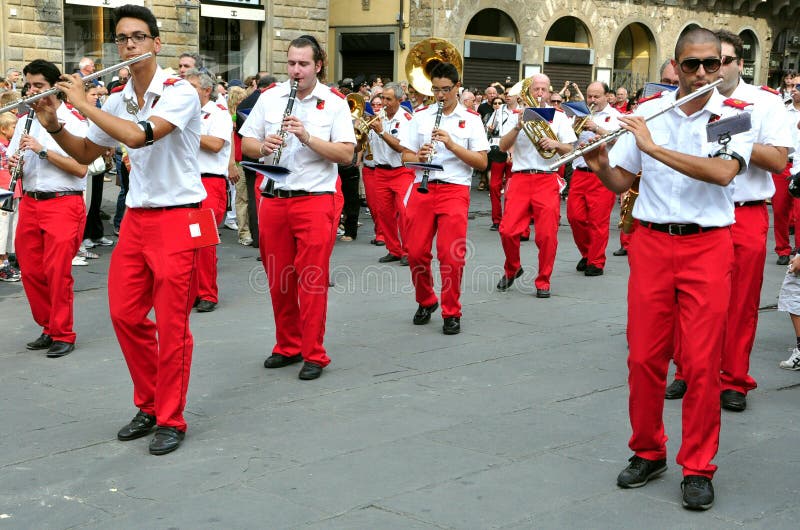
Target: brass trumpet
x=581, y=123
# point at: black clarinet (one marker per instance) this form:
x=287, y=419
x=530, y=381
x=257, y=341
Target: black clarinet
x=269, y=187
x=423, y=186
x=8, y=203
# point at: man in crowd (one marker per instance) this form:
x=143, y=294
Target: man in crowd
x=188, y=61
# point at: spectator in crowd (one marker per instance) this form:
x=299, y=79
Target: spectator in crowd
x=236, y=95
x=787, y=84
x=13, y=76
x=8, y=272
x=187, y=61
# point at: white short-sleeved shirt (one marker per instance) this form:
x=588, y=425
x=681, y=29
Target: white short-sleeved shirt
x=324, y=113
x=215, y=120
x=165, y=173
x=770, y=127
x=665, y=195
x=608, y=119
x=793, y=118
x=39, y=174
x=500, y=118
x=382, y=153
x=465, y=128
x=525, y=154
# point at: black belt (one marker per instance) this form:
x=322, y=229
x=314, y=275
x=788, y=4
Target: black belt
x=534, y=171
x=45, y=195
x=679, y=229
x=288, y=194
x=212, y=175
x=173, y=207
x=387, y=166
x=437, y=181
x=751, y=203
x=584, y=169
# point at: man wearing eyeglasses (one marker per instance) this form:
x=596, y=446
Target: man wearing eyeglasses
x=158, y=118
x=681, y=257
x=459, y=144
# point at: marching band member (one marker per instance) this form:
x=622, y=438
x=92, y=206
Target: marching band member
x=680, y=257
x=216, y=129
x=460, y=147
x=52, y=214
x=158, y=118
x=500, y=163
x=589, y=204
x=533, y=191
x=368, y=178
x=785, y=205
x=392, y=179
x=297, y=222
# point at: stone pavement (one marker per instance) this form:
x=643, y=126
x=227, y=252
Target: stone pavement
x=518, y=422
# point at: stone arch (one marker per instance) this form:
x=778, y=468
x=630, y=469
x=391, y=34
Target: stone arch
x=751, y=54
x=569, y=54
x=492, y=51
x=635, y=58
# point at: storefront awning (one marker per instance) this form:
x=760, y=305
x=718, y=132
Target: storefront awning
x=247, y=10
x=105, y=3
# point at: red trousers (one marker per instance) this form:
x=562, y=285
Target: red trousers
x=749, y=252
x=48, y=236
x=682, y=281
x=783, y=205
x=391, y=187
x=338, y=205
x=499, y=173
x=295, y=241
x=217, y=200
x=532, y=194
x=149, y=271
x=589, y=208
x=368, y=177
x=442, y=212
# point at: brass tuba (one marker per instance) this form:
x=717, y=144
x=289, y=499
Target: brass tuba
x=535, y=129
x=424, y=56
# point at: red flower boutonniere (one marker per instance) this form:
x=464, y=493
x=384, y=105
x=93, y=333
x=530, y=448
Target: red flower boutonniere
x=462, y=124
x=608, y=119
x=320, y=104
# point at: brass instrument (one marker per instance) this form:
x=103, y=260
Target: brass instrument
x=626, y=206
x=581, y=123
x=90, y=77
x=536, y=129
x=269, y=186
x=8, y=204
x=357, y=112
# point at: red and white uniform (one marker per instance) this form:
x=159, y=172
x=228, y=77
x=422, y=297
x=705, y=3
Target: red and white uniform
x=442, y=212
x=368, y=178
x=50, y=229
x=590, y=204
x=534, y=191
x=678, y=280
x=784, y=206
x=392, y=181
x=499, y=172
x=295, y=232
x=215, y=120
x=151, y=268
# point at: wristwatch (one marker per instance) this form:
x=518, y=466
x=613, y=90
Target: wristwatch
x=43, y=153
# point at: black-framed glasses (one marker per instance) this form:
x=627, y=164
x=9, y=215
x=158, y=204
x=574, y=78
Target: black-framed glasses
x=728, y=59
x=496, y=103
x=443, y=90
x=137, y=38
x=691, y=65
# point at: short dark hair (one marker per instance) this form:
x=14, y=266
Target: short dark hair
x=445, y=71
x=309, y=41
x=138, y=12
x=696, y=35
x=265, y=80
x=50, y=71
x=733, y=39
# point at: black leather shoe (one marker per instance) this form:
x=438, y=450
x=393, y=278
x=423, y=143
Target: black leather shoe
x=581, y=266
x=379, y=243
x=166, y=440
x=404, y=261
x=506, y=281
x=276, y=360
x=676, y=389
x=423, y=314
x=783, y=260
x=139, y=426
x=452, y=326
x=639, y=471
x=60, y=349
x=388, y=258
x=542, y=293
x=698, y=493
x=524, y=238
x=733, y=400
x=591, y=270
x=206, y=306
x=621, y=252
x=41, y=343
x=495, y=227
x=309, y=371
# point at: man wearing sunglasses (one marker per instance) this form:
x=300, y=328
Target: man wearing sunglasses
x=681, y=257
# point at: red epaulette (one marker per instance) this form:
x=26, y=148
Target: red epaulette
x=407, y=115
x=118, y=88
x=473, y=111
x=736, y=103
x=772, y=90
x=648, y=98
x=422, y=108
x=222, y=107
x=516, y=111
x=559, y=110
x=336, y=91
x=265, y=89
x=171, y=81
x=75, y=112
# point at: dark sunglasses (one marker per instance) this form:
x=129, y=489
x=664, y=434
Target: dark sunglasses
x=691, y=65
x=727, y=59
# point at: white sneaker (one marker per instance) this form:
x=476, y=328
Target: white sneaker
x=103, y=242
x=88, y=243
x=246, y=241
x=230, y=224
x=793, y=362
x=78, y=261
